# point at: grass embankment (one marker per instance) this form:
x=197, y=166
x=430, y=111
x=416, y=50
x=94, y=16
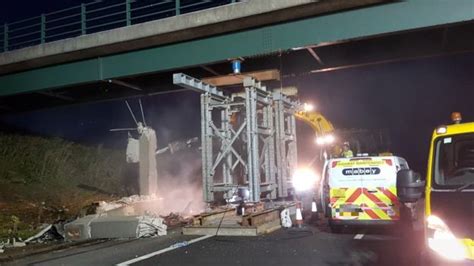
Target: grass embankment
x=39, y=180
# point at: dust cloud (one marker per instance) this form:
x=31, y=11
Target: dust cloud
x=179, y=183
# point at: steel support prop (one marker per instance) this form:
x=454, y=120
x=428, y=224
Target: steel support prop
x=238, y=139
x=285, y=135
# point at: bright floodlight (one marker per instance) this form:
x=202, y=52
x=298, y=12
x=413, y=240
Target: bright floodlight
x=308, y=107
x=304, y=179
x=320, y=141
x=329, y=139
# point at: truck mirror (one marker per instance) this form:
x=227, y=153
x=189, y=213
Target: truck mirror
x=409, y=186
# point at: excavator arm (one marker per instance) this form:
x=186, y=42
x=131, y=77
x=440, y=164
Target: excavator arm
x=320, y=124
x=323, y=129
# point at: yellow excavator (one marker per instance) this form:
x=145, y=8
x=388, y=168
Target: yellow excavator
x=325, y=134
x=323, y=129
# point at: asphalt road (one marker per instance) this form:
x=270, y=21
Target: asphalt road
x=312, y=245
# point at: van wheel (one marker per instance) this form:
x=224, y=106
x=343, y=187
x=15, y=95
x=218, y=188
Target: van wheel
x=328, y=211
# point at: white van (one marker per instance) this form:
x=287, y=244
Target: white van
x=361, y=190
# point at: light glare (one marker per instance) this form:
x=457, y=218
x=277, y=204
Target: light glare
x=443, y=240
x=329, y=139
x=308, y=107
x=320, y=141
x=304, y=179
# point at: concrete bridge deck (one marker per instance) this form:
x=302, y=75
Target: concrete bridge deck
x=342, y=31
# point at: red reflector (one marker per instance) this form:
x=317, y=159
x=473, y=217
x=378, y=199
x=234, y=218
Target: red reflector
x=388, y=161
x=334, y=163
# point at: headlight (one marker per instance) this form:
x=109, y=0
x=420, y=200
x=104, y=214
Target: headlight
x=304, y=179
x=443, y=241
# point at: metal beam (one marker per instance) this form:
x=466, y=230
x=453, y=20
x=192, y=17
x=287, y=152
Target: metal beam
x=402, y=16
x=191, y=83
x=381, y=62
x=124, y=84
x=315, y=55
x=210, y=70
x=56, y=95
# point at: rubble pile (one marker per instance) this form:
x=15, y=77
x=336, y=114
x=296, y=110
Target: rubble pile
x=175, y=219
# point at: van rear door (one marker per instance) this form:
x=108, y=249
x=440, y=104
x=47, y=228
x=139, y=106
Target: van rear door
x=344, y=190
x=363, y=189
x=379, y=190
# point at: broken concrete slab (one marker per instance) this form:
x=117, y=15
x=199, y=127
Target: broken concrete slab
x=114, y=227
x=79, y=229
x=127, y=227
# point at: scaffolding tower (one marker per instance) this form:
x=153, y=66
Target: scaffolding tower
x=248, y=140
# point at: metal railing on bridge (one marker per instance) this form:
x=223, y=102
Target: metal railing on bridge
x=94, y=17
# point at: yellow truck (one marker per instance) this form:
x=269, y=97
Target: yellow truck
x=445, y=200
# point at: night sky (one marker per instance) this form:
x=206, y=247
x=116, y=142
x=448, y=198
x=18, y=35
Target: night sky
x=409, y=98
x=17, y=10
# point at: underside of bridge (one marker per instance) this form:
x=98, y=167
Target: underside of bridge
x=149, y=71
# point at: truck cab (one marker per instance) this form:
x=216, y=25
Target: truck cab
x=447, y=194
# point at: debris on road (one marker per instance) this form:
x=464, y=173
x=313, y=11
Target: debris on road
x=175, y=219
x=180, y=244
x=104, y=226
x=79, y=229
x=151, y=226
x=52, y=232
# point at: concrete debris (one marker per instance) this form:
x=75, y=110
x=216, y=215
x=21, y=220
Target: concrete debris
x=151, y=226
x=108, y=206
x=174, y=219
x=135, y=199
x=127, y=227
x=79, y=229
x=50, y=232
x=114, y=227
x=11, y=243
x=105, y=226
x=39, y=234
x=18, y=244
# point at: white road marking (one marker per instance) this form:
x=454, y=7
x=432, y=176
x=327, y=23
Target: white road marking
x=147, y=256
x=359, y=236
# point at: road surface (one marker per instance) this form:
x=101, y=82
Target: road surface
x=312, y=245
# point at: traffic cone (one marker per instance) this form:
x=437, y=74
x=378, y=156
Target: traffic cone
x=299, y=215
x=314, y=212
x=314, y=207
